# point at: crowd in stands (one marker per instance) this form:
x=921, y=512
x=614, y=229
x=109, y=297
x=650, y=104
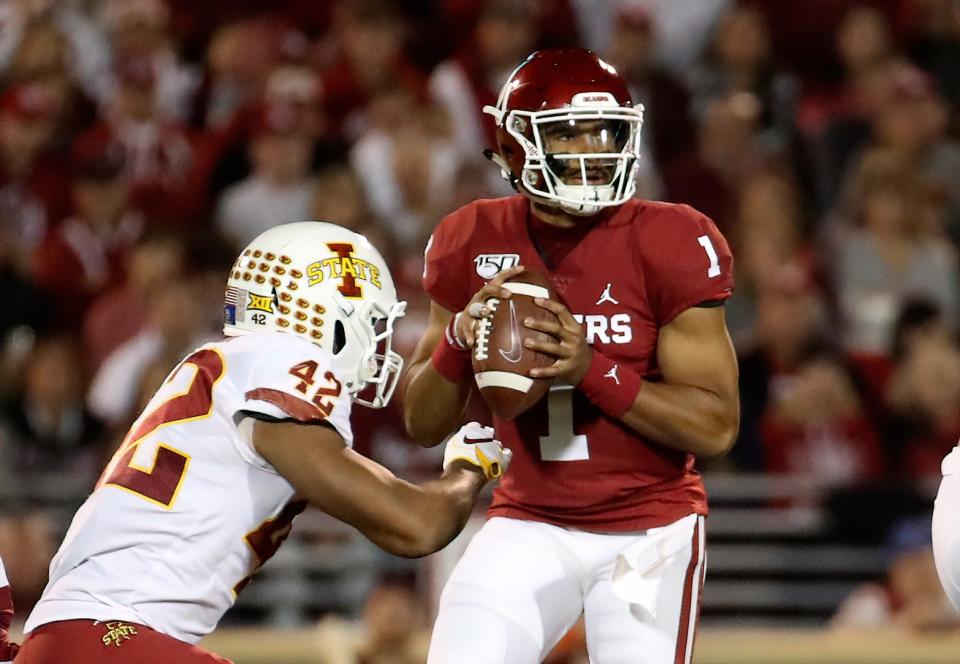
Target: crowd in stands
x=144, y=142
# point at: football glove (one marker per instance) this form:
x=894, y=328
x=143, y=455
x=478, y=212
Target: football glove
x=476, y=445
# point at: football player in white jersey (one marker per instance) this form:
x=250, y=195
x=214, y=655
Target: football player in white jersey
x=242, y=435
x=946, y=527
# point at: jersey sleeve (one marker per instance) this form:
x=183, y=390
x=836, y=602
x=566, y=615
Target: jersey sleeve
x=293, y=379
x=445, y=261
x=689, y=263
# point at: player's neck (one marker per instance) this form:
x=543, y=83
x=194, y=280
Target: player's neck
x=557, y=217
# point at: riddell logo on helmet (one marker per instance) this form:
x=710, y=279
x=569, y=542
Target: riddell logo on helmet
x=345, y=266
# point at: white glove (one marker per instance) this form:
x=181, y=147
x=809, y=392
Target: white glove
x=476, y=445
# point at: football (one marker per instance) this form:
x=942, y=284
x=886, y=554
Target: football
x=501, y=362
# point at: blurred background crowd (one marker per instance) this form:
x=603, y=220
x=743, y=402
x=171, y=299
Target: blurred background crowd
x=144, y=142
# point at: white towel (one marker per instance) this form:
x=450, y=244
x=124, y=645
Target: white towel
x=638, y=570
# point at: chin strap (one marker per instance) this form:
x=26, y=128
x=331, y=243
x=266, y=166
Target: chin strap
x=504, y=167
x=494, y=156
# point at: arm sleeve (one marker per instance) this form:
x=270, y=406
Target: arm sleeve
x=690, y=263
x=445, y=261
x=294, y=380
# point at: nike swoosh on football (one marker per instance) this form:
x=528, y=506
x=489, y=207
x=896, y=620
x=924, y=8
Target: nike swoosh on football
x=516, y=351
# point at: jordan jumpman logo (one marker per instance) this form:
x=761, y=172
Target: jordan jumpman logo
x=613, y=373
x=606, y=296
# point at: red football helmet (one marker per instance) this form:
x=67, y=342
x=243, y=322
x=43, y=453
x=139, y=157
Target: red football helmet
x=568, y=132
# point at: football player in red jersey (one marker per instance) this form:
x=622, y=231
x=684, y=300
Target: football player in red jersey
x=602, y=510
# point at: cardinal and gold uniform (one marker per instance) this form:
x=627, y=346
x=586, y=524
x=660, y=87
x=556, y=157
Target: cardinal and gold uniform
x=187, y=510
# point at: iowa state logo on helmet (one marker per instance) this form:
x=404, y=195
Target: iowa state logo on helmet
x=351, y=270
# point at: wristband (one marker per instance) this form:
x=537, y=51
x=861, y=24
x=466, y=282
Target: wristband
x=610, y=386
x=451, y=333
x=451, y=361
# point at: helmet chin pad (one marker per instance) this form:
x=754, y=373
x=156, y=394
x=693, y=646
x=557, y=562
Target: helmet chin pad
x=592, y=196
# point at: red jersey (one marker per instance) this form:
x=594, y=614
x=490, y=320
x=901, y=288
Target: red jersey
x=7, y=650
x=636, y=269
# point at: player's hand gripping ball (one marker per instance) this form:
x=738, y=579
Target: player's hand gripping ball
x=501, y=359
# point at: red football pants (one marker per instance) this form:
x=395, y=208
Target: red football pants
x=110, y=642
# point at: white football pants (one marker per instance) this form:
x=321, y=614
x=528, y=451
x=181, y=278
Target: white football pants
x=522, y=584
x=946, y=527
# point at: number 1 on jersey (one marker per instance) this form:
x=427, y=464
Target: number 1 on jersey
x=714, y=269
x=561, y=443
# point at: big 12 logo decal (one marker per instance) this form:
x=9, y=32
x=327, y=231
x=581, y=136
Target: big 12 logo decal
x=488, y=265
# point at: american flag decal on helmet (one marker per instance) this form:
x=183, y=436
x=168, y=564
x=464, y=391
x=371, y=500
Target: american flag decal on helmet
x=234, y=305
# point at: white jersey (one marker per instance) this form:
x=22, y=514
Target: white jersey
x=187, y=510
x=951, y=463
x=946, y=527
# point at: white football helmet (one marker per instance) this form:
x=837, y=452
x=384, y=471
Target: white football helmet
x=328, y=285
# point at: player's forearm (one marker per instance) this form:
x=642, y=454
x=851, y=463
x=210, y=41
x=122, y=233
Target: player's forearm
x=433, y=406
x=686, y=418
x=429, y=515
x=452, y=499
x=401, y=517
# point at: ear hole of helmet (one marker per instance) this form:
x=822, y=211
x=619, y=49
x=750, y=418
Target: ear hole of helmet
x=339, y=337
